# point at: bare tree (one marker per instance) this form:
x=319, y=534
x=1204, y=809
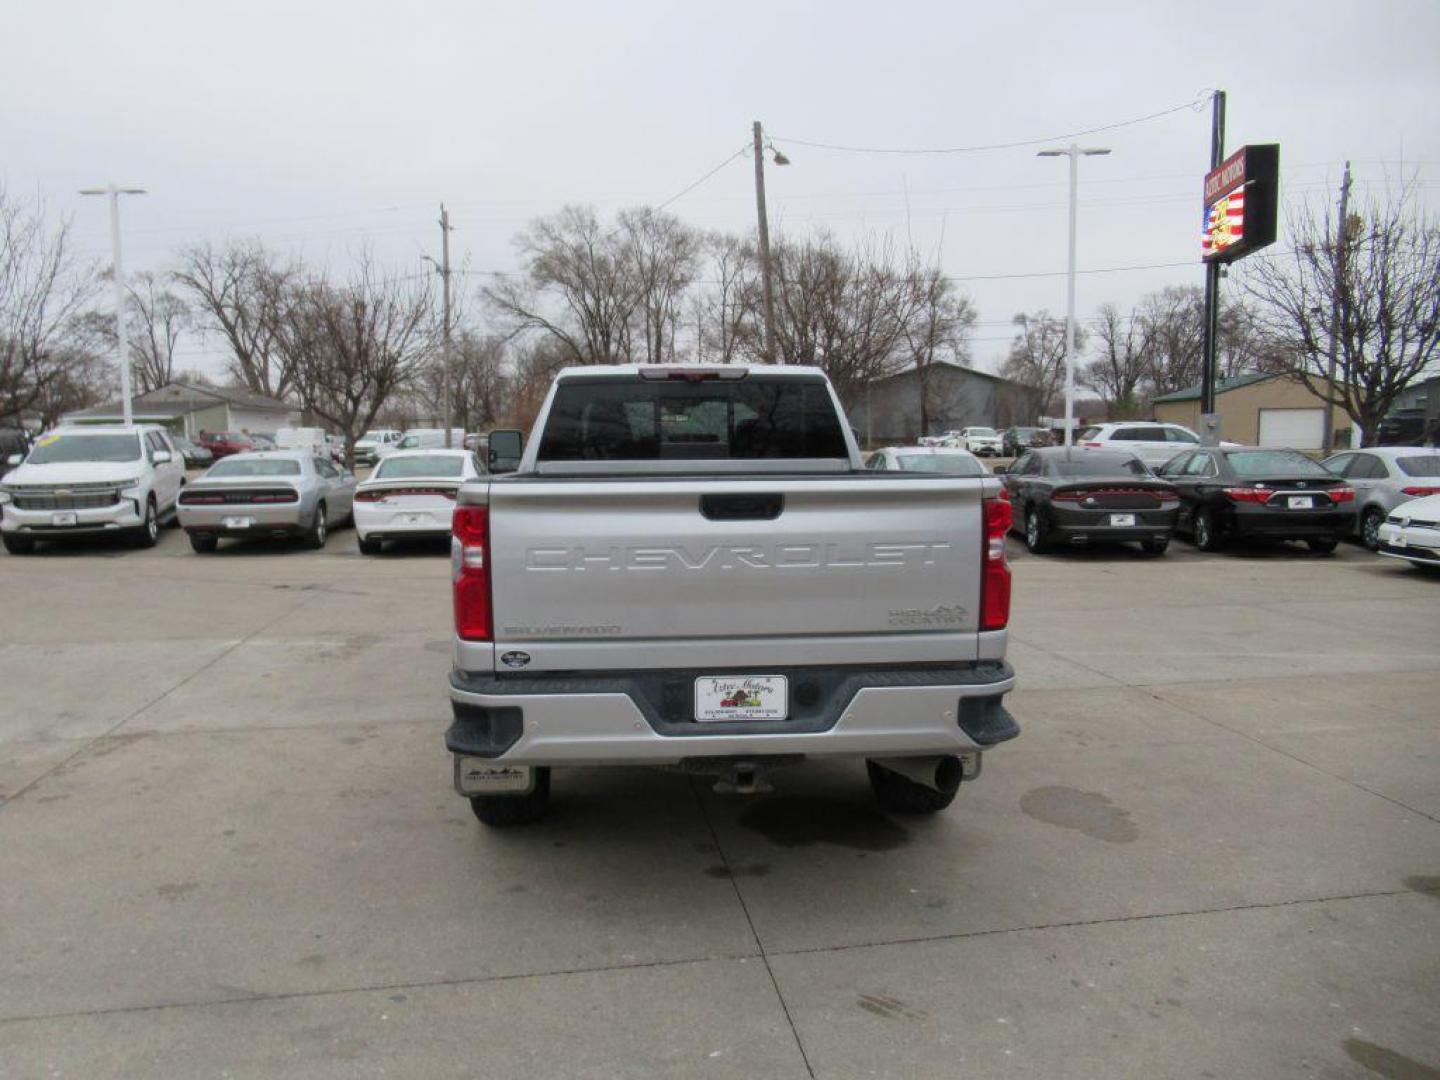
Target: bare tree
x=1121, y=365
x=355, y=343
x=1037, y=357
x=155, y=317
x=846, y=312
x=235, y=290
x=1380, y=282
x=661, y=256
x=939, y=331
x=729, y=310
x=577, y=288
x=44, y=291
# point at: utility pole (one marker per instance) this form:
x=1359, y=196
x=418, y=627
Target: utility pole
x=443, y=269
x=1074, y=153
x=1335, y=300
x=767, y=281
x=118, y=275
x=1212, y=280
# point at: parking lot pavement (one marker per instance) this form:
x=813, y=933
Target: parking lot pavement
x=228, y=844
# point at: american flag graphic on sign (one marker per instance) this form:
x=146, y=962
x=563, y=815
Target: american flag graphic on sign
x=1224, y=223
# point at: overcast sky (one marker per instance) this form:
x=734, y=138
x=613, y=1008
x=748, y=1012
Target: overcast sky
x=320, y=127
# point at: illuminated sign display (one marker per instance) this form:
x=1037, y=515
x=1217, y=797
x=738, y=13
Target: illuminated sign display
x=1241, y=199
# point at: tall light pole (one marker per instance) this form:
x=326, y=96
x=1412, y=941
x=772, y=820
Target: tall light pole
x=767, y=281
x=118, y=274
x=443, y=267
x=1074, y=153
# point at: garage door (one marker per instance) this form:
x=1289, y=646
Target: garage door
x=1301, y=429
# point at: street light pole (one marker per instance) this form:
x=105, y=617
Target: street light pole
x=766, y=280
x=443, y=269
x=118, y=274
x=1074, y=153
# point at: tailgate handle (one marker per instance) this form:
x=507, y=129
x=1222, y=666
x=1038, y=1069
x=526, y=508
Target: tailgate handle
x=742, y=507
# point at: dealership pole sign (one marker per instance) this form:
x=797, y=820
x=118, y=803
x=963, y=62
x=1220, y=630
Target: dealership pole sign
x=1242, y=198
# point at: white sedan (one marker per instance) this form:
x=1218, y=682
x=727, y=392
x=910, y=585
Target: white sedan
x=411, y=493
x=1412, y=531
x=945, y=460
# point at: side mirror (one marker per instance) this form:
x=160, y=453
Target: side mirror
x=504, y=450
x=999, y=470
x=160, y=457
x=14, y=459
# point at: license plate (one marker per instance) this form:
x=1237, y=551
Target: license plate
x=1122, y=520
x=741, y=697
x=238, y=522
x=481, y=776
x=63, y=519
x=416, y=519
x=1302, y=502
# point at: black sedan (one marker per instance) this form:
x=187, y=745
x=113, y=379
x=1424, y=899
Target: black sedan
x=1077, y=496
x=1247, y=491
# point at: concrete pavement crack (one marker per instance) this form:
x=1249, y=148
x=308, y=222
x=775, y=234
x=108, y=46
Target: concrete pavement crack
x=749, y=921
x=87, y=743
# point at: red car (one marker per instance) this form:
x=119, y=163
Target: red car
x=224, y=443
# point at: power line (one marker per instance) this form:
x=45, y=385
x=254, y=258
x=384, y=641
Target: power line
x=1193, y=105
x=691, y=187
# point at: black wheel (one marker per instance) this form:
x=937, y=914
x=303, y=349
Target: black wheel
x=1370, y=527
x=1155, y=546
x=1034, y=532
x=1322, y=547
x=1205, y=538
x=203, y=545
x=901, y=795
x=148, y=535
x=368, y=547
x=318, y=532
x=18, y=545
x=501, y=811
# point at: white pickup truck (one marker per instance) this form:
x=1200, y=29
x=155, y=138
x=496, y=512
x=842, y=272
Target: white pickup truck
x=692, y=568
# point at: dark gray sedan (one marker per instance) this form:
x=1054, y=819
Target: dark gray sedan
x=273, y=493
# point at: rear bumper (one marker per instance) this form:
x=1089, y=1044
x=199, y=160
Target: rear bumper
x=1086, y=526
x=375, y=522
x=1262, y=521
x=645, y=719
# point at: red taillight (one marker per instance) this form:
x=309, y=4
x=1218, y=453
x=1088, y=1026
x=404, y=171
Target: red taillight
x=381, y=494
x=1250, y=495
x=276, y=497
x=1065, y=495
x=1417, y=492
x=369, y=496
x=470, y=572
x=995, y=574
x=1341, y=494
x=196, y=498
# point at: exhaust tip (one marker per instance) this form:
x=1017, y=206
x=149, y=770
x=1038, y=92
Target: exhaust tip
x=948, y=773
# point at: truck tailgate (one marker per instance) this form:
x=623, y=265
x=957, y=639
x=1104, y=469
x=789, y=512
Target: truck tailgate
x=622, y=574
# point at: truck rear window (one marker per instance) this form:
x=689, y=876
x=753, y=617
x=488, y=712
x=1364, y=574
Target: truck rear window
x=635, y=420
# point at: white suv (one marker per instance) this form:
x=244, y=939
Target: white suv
x=980, y=440
x=1153, y=443
x=89, y=481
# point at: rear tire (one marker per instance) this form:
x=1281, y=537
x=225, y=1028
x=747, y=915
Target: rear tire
x=368, y=547
x=203, y=545
x=18, y=545
x=503, y=811
x=1370, y=528
x=1155, y=547
x=1322, y=547
x=901, y=795
x=1205, y=538
x=316, y=535
x=1034, y=532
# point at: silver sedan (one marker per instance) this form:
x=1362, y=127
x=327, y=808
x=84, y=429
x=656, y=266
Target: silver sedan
x=272, y=493
x=1384, y=477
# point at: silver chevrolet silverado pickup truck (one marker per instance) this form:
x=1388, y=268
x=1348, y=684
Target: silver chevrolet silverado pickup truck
x=691, y=568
